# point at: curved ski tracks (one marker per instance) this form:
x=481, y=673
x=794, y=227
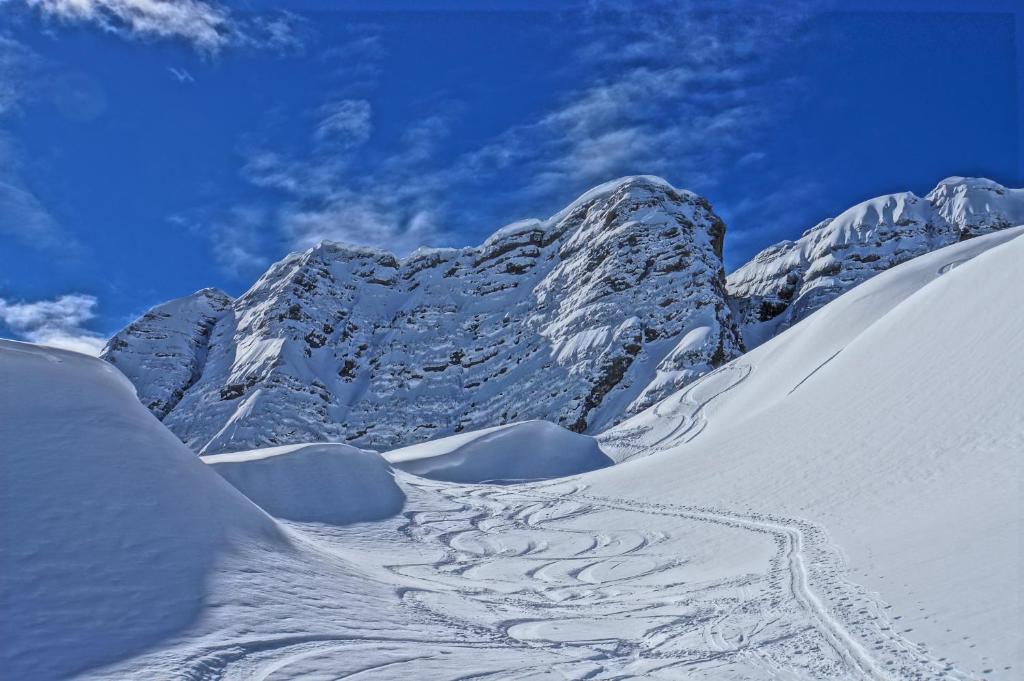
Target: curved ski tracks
x=521, y=581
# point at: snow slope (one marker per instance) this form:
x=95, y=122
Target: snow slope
x=110, y=525
x=893, y=419
x=531, y=450
x=329, y=483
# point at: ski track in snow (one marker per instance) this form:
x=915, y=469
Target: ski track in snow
x=685, y=412
x=538, y=581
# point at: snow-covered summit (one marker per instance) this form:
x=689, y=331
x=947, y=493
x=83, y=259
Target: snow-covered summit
x=576, y=319
x=977, y=206
x=788, y=281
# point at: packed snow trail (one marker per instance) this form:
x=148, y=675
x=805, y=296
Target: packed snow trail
x=547, y=581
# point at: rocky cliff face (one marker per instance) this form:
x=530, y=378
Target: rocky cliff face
x=788, y=281
x=580, y=319
x=164, y=351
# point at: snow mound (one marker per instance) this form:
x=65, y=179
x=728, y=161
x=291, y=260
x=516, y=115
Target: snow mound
x=529, y=450
x=109, y=525
x=330, y=483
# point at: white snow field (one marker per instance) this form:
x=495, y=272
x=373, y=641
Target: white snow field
x=843, y=502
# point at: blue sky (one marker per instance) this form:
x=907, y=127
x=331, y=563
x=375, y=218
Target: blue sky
x=148, y=148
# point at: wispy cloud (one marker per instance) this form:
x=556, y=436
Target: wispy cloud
x=681, y=89
x=344, y=123
x=394, y=204
x=206, y=26
x=181, y=75
x=17, y=64
x=209, y=26
x=240, y=236
x=333, y=189
x=58, y=323
x=23, y=217
x=675, y=90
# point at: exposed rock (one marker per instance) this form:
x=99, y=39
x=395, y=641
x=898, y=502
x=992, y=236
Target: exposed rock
x=164, y=351
x=788, y=281
x=580, y=319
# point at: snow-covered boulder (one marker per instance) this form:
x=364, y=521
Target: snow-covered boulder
x=329, y=483
x=532, y=450
x=568, y=319
x=110, y=526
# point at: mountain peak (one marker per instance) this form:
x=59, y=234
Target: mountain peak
x=787, y=282
x=957, y=182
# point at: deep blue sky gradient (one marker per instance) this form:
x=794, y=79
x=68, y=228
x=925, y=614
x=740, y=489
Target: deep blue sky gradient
x=145, y=178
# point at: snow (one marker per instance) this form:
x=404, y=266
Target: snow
x=788, y=281
x=531, y=450
x=180, y=329
x=111, y=526
x=330, y=483
x=842, y=502
x=352, y=345
x=893, y=419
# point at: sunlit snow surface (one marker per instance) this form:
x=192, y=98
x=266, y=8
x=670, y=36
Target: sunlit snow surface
x=841, y=503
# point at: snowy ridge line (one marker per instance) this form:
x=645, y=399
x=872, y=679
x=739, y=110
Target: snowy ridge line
x=790, y=280
x=794, y=534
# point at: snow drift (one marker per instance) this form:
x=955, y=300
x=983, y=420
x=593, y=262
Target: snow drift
x=331, y=483
x=894, y=418
x=110, y=525
x=531, y=450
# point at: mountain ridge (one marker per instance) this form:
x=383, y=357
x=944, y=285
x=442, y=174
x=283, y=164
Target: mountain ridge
x=605, y=307
x=583, y=319
x=789, y=280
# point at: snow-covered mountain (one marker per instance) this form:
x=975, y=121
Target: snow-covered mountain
x=788, y=281
x=168, y=346
x=582, y=319
x=842, y=502
x=596, y=312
